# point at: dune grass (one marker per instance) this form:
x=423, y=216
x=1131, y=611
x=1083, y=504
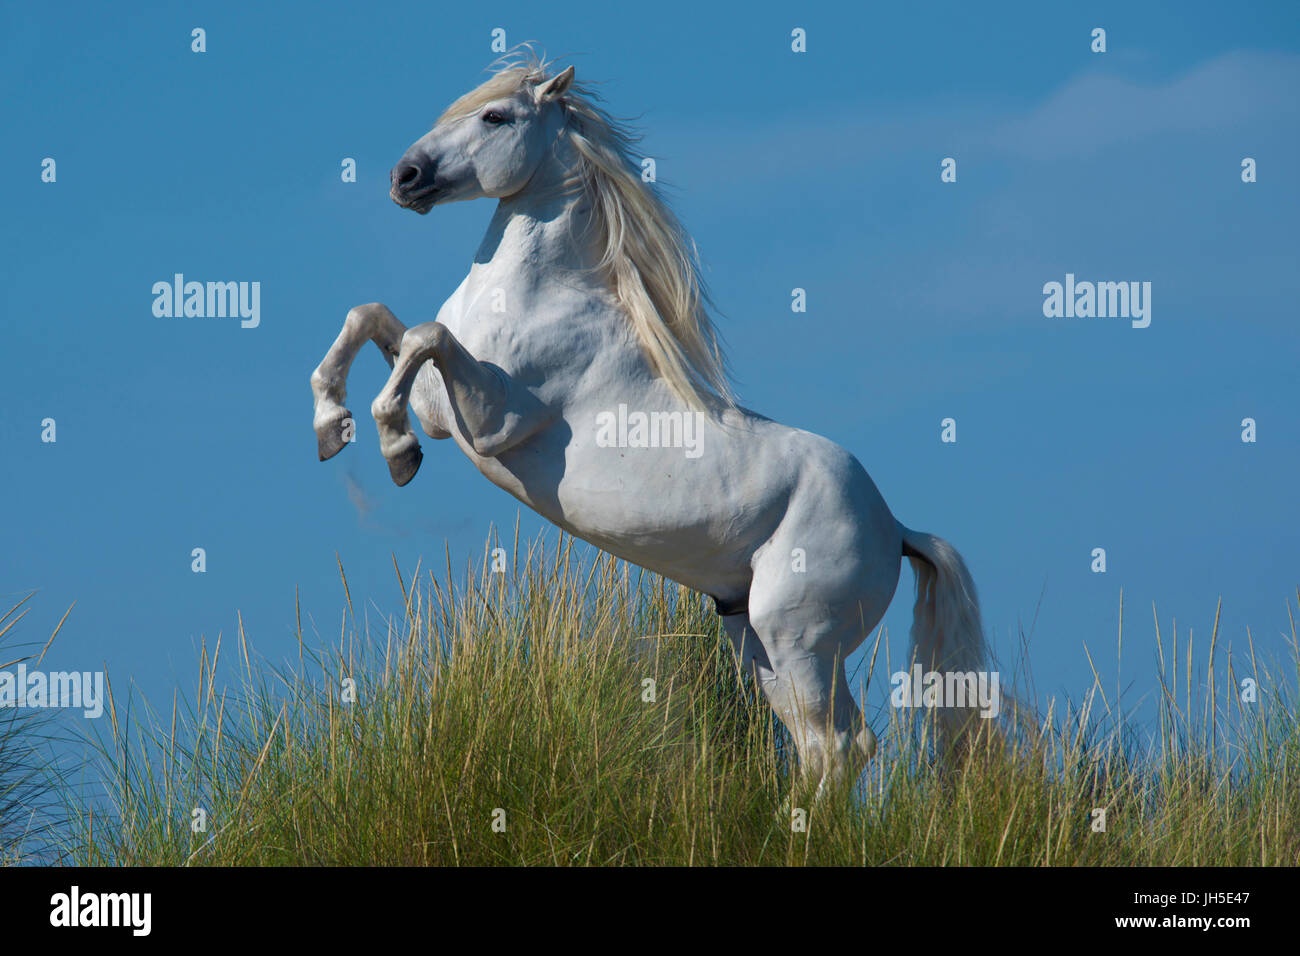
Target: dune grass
x=32, y=780
x=557, y=712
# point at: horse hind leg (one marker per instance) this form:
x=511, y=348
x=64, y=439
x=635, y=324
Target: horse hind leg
x=805, y=682
x=332, y=422
x=811, y=694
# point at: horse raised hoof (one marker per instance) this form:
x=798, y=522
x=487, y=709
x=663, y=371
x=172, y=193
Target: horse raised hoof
x=332, y=432
x=405, y=460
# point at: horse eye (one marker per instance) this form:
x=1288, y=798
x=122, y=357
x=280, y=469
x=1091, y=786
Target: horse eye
x=493, y=117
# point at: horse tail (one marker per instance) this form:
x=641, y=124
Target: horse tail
x=947, y=634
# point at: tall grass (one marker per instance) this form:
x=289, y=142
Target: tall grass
x=32, y=779
x=561, y=712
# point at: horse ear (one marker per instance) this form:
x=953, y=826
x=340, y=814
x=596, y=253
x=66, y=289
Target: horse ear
x=555, y=86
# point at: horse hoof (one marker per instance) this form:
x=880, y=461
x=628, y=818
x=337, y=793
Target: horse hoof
x=403, y=464
x=330, y=439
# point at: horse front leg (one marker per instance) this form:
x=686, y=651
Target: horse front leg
x=491, y=411
x=329, y=383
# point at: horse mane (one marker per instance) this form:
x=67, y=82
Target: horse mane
x=647, y=258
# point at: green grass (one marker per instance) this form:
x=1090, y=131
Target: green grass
x=519, y=698
x=32, y=782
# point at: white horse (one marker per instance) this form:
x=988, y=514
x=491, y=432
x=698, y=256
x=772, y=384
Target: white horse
x=576, y=367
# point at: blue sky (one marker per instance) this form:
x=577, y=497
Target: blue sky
x=816, y=170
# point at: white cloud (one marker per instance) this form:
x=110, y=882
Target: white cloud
x=1099, y=111
x=1094, y=111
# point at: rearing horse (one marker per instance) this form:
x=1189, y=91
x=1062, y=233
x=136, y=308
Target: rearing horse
x=584, y=302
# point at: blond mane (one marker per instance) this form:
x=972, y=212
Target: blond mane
x=646, y=257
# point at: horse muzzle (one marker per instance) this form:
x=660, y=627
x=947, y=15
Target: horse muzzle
x=413, y=186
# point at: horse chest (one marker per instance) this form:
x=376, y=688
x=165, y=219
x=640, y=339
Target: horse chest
x=482, y=332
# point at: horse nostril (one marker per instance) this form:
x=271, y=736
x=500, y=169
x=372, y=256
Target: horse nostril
x=408, y=176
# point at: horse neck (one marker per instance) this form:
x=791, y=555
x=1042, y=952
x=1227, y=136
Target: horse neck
x=540, y=230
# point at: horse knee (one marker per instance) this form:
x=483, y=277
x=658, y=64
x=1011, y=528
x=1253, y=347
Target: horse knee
x=363, y=315
x=424, y=341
